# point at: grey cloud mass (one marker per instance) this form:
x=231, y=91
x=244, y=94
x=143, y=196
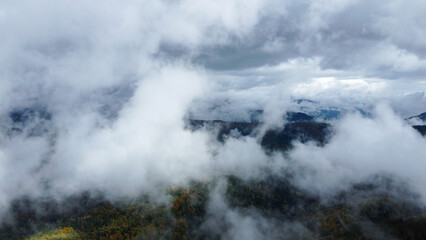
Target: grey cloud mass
x=373, y=38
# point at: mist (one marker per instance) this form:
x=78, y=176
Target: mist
x=98, y=97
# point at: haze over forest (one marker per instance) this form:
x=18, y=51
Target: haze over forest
x=226, y=119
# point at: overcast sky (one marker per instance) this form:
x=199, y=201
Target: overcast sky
x=352, y=48
x=322, y=47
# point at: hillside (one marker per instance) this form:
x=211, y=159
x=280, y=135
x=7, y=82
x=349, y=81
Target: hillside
x=273, y=139
x=360, y=212
x=364, y=210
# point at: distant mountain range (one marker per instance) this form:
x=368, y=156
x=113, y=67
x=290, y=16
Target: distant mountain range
x=257, y=116
x=280, y=139
x=87, y=216
x=418, y=119
x=421, y=129
x=418, y=122
x=323, y=112
x=36, y=121
x=298, y=126
x=305, y=110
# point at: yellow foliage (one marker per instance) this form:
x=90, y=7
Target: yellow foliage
x=59, y=234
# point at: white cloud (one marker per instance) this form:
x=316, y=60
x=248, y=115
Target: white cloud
x=362, y=147
x=65, y=55
x=330, y=87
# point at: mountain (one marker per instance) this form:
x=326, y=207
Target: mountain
x=280, y=139
x=363, y=210
x=223, y=129
x=31, y=121
x=360, y=211
x=417, y=119
x=290, y=116
x=327, y=112
x=421, y=129
x=421, y=116
x=298, y=117
x=299, y=127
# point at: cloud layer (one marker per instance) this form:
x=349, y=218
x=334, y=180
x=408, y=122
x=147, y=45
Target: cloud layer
x=118, y=78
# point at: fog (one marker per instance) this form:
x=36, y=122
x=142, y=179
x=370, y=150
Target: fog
x=107, y=87
x=361, y=147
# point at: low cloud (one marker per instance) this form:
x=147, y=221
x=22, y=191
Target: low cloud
x=362, y=147
x=118, y=79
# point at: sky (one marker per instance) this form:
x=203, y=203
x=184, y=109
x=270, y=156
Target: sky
x=367, y=49
x=119, y=77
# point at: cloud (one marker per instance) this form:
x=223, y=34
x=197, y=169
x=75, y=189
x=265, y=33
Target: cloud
x=329, y=87
x=19, y=160
x=372, y=39
x=236, y=223
x=117, y=110
x=362, y=147
x=119, y=78
x=147, y=146
x=410, y=105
